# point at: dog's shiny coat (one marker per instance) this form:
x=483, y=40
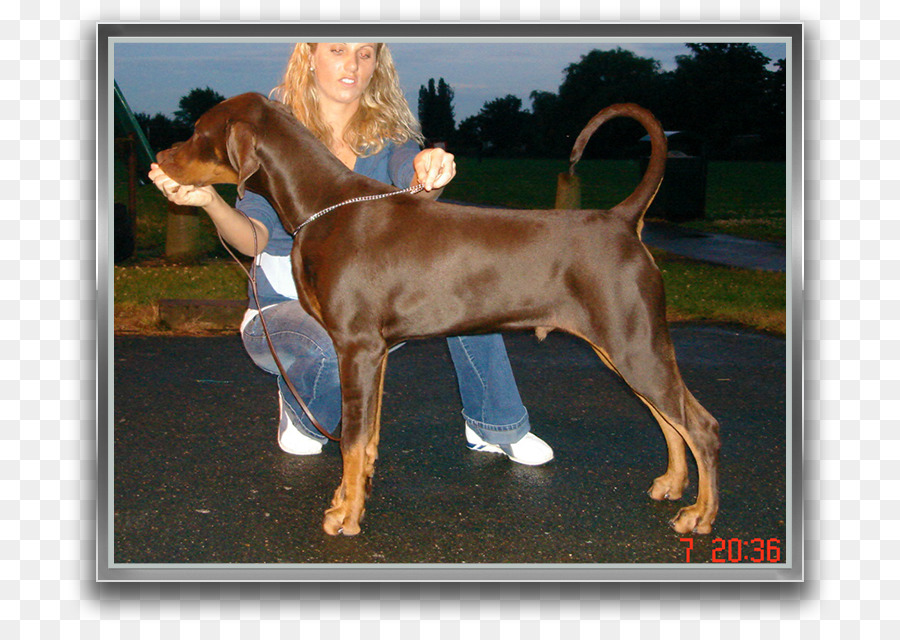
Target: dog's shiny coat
x=377, y=273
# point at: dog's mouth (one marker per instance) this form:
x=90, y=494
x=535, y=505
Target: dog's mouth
x=166, y=161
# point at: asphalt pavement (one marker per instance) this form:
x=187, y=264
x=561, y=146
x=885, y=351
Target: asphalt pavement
x=717, y=248
x=199, y=478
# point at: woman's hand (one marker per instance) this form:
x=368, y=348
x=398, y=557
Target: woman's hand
x=434, y=168
x=232, y=224
x=182, y=194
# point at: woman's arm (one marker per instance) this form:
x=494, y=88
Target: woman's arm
x=234, y=227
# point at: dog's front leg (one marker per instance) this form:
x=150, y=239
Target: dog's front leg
x=362, y=381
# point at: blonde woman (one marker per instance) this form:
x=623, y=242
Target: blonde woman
x=348, y=95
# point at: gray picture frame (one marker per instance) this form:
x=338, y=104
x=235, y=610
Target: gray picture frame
x=111, y=35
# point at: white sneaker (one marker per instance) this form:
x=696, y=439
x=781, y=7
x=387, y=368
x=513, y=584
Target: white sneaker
x=530, y=450
x=292, y=439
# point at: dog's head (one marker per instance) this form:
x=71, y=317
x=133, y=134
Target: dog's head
x=223, y=147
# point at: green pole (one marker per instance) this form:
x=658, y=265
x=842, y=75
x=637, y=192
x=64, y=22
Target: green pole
x=127, y=120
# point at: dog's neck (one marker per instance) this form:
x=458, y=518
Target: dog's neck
x=315, y=180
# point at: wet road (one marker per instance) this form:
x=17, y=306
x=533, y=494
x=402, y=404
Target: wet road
x=199, y=477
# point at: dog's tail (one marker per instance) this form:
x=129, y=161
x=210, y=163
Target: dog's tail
x=634, y=206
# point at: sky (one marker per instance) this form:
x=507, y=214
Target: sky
x=153, y=76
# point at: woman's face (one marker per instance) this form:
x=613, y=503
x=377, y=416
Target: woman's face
x=343, y=70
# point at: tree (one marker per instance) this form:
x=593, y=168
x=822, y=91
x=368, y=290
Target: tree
x=725, y=90
x=774, y=127
x=161, y=131
x=468, y=140
x=548, y=132
x=725, y=94
x=503, y=126
x=602, y=78
x=436, y=111
x=194, y=105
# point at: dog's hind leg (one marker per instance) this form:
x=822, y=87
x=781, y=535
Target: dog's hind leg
x=362, y=384
x=670, y=485
x=627, y=327
x=653, y=375
x=701, y=433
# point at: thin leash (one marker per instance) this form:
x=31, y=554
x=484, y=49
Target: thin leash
x=411, y=190
x=251, y=277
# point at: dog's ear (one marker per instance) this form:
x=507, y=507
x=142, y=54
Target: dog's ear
x=240, y=143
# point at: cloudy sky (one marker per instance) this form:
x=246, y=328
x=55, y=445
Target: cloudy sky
x=153, y=76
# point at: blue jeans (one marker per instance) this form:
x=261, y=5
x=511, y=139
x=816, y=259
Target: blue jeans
x=491, y=403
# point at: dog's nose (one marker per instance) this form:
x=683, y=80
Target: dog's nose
x=166, y=153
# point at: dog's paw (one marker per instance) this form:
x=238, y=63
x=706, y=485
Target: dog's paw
x=339, y=522
x=667, y=487
x=692, y=519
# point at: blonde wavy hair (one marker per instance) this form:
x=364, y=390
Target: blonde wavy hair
x=383, y=112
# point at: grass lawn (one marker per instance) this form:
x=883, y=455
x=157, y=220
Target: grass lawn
x=703, y=292
x=745, y=199
x=694, y=291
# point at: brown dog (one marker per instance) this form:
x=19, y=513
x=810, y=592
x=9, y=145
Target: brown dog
x=379, y=272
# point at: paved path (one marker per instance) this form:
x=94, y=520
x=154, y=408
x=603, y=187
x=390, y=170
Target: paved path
x=717, y=248
x=199, y=477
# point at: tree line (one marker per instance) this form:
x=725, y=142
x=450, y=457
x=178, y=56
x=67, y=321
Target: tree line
x=724, y=98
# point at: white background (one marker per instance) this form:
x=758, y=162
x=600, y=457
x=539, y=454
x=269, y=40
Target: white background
x=48, y=383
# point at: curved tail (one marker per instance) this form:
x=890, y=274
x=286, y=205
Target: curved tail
x=633, y=207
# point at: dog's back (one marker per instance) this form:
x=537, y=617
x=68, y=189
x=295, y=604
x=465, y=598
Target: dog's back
x=449, y=269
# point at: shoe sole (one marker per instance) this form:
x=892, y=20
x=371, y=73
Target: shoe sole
x=492, y=448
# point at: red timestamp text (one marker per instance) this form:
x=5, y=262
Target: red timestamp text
x=736, y=550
